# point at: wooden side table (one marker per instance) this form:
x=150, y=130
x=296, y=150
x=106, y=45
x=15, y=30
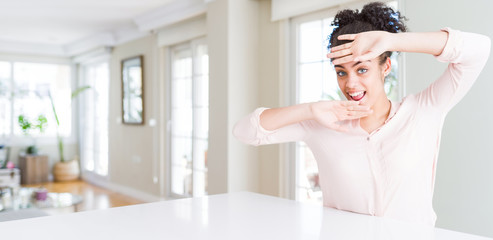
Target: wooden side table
x=34, y=169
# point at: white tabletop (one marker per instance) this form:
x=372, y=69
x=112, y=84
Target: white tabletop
x=241, y=215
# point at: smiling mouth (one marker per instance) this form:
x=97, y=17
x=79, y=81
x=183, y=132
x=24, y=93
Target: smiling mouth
x=357, y=96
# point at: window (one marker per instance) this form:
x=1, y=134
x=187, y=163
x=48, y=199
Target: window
x=94, y=120
x=189, y=118
x=25, y=89
x=5, y=98
x=316, y=80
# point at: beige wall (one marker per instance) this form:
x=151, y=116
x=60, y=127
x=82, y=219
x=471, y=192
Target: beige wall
x=134, y=149
x=217, y=40
x=269, y=89
x=243, y=57
x=233, y=38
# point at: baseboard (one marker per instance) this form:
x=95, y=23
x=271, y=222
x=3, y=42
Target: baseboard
x=131, y=192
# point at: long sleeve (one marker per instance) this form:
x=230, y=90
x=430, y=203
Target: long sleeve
x=467, y=54
x=248, y=130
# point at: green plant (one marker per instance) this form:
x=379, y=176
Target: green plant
x=75, y=93
x=26, y=126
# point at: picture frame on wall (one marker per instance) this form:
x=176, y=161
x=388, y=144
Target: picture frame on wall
x=133, y=90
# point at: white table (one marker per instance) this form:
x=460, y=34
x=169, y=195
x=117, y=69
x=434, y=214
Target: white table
x=241, y=215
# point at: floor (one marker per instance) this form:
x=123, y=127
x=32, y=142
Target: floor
x=94, y=197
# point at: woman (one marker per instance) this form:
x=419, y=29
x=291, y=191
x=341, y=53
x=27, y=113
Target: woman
x=375, y=156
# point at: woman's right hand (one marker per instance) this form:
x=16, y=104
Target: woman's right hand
x=328, y=113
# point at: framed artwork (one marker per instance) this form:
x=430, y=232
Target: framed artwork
x=133, y=90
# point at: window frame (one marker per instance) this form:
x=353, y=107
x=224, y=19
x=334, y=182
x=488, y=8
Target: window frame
x=93, y=176
x=189, y=44
x=20, y=141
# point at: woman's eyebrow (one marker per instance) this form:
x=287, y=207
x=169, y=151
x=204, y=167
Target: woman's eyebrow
x=354, y=65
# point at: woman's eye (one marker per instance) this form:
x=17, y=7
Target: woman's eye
x=362, y=70
x=341, y=74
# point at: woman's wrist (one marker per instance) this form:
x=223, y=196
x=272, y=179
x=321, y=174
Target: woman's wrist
x=393, y=41
x=309, y=110
x=419, y=42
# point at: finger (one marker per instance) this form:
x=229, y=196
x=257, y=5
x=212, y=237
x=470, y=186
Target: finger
x=342, y=60
x=359, y=108
x=353, y=113
x=349, y=103
x=338, y=54
x=365, y=57
x=347, y=37
x=356, y=115
x=342, y=46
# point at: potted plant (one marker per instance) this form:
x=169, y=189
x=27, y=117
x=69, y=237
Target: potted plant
x=65, y=170
x=26, y=126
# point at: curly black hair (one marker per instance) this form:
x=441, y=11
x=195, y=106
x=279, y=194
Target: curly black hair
x=375, y=16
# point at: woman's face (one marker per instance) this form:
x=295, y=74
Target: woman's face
x=363, y=81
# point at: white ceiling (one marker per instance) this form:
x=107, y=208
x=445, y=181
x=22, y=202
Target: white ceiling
x=63, y=22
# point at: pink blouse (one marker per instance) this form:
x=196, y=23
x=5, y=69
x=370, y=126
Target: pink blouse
x=391, y=171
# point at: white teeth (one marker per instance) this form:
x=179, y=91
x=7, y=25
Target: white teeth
x=356, y=94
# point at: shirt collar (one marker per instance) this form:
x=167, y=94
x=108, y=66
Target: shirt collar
x=393, y=110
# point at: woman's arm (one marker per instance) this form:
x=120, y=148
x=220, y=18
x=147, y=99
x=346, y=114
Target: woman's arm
x=286, y=124
x=369, y=45
x=327, y=113
x=430, y=42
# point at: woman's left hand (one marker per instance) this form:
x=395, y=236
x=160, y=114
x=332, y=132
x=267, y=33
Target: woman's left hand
x=364, y=46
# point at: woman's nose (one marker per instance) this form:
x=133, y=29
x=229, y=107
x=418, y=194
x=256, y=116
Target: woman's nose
x=352, y=82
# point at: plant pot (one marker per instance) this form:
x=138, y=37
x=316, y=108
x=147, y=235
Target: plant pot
x=66, y=171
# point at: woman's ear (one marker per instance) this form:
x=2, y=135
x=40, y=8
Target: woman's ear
x=387, y=67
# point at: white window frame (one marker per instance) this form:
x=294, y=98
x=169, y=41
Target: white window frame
x=288, y=151
x=92, y=176
x=20, y=141
x=191, y=45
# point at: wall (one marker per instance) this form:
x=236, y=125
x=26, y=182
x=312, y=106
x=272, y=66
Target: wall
x=269, y=89
x=243, y=30
x=217, y=40
x=464, y=186
x=134, y=149
x=232, y=28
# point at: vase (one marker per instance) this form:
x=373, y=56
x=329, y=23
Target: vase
x=66, y=171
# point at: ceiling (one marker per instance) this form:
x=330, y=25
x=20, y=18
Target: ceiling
x=64, y=22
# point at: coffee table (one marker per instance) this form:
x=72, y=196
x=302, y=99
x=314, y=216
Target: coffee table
x=22, y=198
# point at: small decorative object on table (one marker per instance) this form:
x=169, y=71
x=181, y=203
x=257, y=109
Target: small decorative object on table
x=41, y=194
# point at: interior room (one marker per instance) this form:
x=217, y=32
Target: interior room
x=108, y=104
